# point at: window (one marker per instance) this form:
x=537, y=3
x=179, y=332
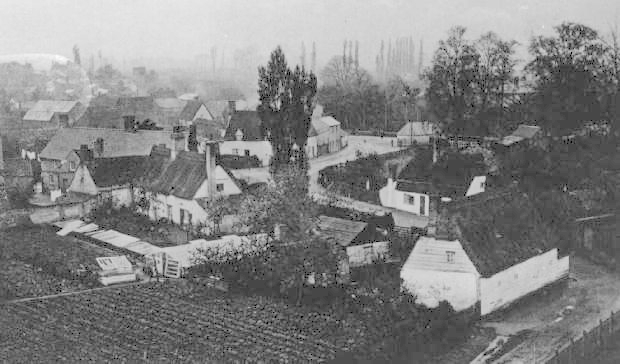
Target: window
x=72, y=166
x=219, y=187
x=64, y=119
x=182, y=217
x=57, y=164
x=235, y=151
x=247, y=152
x=189, y=217
x=450, y=256
x=422, y=205
x=410, y=199
x=169, y=212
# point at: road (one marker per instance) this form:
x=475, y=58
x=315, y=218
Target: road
x=364, y=144
x=592, y=291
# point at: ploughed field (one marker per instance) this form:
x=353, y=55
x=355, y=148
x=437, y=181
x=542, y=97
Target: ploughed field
x=162, y=323
x=35, y=261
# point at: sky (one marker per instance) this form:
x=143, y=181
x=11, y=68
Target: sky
x=129, y=30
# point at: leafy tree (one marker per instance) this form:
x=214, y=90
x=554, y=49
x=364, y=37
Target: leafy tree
x=495, y=70
x=286, y=98
x=569, y=74
x=451, y=91
x=351, y=95
x=299, y=252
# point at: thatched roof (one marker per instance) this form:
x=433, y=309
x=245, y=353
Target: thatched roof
x=497, y=230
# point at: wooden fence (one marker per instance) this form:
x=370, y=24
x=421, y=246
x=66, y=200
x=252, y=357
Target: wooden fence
x=589, y=343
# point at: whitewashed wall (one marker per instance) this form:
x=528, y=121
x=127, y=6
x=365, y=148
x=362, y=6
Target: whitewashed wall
x=429, y=275
x=260, y=148
x=391, y=197
x=83, y=182
x=311, y=147
x=431, y=287
x=520, y=280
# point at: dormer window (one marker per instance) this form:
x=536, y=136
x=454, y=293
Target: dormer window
x=239, y=135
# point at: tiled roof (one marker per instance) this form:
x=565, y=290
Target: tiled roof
x=183, y=176
x=190, y=110
x=108, y=172
x=497, y=230
x=102, y=112
x=341, y=230
x=44, y=110
x=248, y=122
x=117, y=143
x=135, y=105
x=217, y=108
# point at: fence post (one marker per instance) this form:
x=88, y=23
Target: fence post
x=585, y=344
x=600, y=333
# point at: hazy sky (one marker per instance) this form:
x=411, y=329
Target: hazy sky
x=181, y=29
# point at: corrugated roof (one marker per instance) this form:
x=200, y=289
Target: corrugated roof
x=183, y=176
x=248, y=122
x=341, y=230
x=35, y=115
x=497, y=230
x=117, y=143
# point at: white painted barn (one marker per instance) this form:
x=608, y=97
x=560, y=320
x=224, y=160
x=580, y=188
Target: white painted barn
x=488, y=249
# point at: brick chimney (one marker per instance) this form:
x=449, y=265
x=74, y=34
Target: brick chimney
x=211, y=150
x=232, y=106
x=431, y=229
x=178, y=142
x=85, y=154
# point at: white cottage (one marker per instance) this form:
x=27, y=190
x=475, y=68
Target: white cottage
x=245, y=136
x=489, y=249
x=460, y=176
x=186, y=181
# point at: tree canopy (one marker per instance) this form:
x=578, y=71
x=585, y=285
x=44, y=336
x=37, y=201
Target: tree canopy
x=286, y=100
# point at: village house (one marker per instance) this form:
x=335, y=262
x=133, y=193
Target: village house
x=355, y=238
x=188, y=180
x=488, y=250
x=52, y=114
x=245, y=136
x=60, y=157
x=116, y=177
x=325, y=135
x=415, y=132
x=418, y=182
